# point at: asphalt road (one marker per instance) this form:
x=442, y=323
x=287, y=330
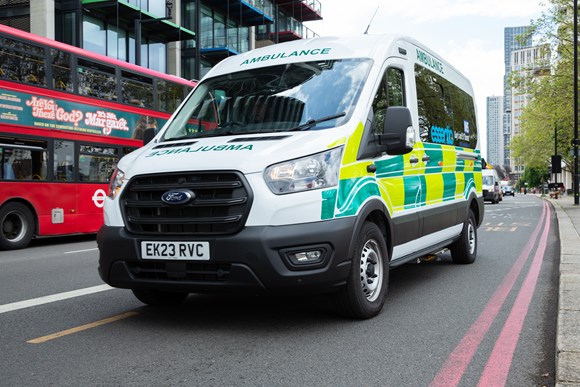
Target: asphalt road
x=443, y=324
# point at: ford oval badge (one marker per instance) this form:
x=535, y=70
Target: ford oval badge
x=180, y=196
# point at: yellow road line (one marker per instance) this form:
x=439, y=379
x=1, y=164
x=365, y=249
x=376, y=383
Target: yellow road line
x=56, y=335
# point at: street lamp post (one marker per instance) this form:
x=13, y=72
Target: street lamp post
x=576, y=194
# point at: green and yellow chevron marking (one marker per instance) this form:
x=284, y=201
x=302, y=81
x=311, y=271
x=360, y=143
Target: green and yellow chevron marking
x=401, y=184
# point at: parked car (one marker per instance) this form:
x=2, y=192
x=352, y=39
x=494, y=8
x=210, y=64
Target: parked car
x=508, y=190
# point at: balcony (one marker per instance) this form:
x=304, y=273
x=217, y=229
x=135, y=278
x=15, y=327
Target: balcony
x=246, y=13
x=289, y=30
x=124, y=14
x=301, y=10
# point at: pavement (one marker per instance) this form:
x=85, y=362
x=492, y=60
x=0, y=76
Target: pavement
x=568, y=326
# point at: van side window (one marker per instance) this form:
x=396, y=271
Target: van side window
x=446, y=112
x=391, y=92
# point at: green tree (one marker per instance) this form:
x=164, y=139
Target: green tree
x=549, y=114
x=535, y=177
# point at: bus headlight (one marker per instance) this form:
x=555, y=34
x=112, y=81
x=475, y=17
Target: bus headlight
x=312, y=172
x=117, y=180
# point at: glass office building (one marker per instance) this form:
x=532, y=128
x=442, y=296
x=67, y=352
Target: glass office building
x=181, y=37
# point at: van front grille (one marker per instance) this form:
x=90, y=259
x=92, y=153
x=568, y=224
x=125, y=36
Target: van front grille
x=220, y=205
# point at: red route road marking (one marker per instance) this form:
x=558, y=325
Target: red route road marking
x=454, y=368
x=499, y=362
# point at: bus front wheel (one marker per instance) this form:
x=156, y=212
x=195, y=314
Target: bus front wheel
x=17, y=226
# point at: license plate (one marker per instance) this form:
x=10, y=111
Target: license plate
x=198, y=251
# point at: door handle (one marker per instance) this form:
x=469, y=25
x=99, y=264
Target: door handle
x=426, y=158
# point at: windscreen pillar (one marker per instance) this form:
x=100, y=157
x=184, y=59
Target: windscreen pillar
x=42, y=18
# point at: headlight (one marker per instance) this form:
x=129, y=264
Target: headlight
x=311, y=172
x=117, y=180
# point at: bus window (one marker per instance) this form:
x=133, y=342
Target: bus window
x=61, y=72
x=7, y=162
x=96, y=163
x=170, y=95
x=19, y=162
x=50, y=159
x=64, y=160
x=96, y=80
x=21, y=62
x=137, y=88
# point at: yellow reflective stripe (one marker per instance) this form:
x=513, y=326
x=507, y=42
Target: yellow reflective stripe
x=393, y=193
x=338, y=142
x=434, y=187
x=459, y=184
x=449, y=159
x=354, y=170
x=417, y=168
x=469, y=166
x=351, y=149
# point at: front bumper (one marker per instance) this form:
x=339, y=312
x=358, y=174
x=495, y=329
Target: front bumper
x=254, y=259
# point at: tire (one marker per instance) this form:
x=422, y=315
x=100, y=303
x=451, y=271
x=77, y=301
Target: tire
x=16, y=226
x=464, y=250
x=159, y=298
x=364, y=294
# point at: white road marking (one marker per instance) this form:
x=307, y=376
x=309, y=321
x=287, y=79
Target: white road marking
x=80, y=251
x=52, y=298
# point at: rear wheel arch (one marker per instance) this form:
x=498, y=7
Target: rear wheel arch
x=476, y=206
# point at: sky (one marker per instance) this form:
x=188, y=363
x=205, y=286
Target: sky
x=469, y=34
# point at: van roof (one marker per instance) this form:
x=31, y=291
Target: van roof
x=377, y=47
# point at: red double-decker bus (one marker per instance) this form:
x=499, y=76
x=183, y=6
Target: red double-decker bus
x=66, y=117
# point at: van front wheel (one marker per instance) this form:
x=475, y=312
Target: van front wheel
x=364, y=294
x=464, y=250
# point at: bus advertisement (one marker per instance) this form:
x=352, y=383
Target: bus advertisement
x=66, y=117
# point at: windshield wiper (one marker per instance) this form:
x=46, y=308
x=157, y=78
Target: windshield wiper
x=312, y=122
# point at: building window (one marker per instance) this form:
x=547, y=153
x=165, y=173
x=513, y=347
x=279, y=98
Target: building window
x=156, y=7
x=100, y=38
x=117, y=43
x=94, y=35
x=218, y=31
x=157, y=53
x=206, y=28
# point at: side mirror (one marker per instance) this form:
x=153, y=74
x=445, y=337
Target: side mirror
x=398, y=133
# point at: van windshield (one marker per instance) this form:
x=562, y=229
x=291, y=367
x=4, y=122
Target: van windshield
x=296, y=96
x=487, y=180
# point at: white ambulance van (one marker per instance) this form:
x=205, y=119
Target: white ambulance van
x=309, y=166
x=490, y=186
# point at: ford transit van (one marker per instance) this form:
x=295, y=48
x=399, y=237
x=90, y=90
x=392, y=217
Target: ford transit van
x=302, y=167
